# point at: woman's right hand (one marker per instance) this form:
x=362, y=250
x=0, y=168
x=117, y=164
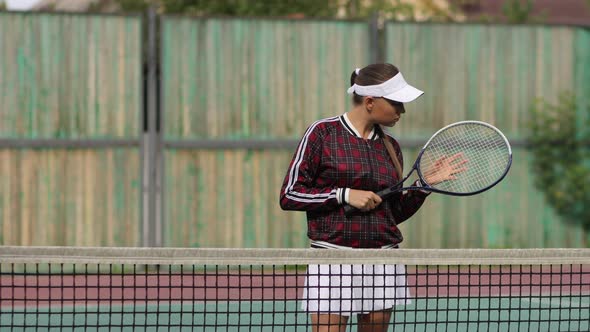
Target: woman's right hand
x=363, y=200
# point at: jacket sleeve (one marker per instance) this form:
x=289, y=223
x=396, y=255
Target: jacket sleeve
x=406, y=204
x=300, y=191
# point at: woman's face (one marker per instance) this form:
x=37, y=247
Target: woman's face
x=386, y=112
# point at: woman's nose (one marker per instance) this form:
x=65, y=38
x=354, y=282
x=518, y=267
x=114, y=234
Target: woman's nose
x=400, y=109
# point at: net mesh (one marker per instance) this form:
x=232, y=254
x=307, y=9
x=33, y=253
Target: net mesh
x=485, y=149
x=130, y=289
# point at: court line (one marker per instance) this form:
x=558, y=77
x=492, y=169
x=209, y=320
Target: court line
x=557, y=302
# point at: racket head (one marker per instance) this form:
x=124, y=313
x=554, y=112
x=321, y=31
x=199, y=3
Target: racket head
x=486, y=149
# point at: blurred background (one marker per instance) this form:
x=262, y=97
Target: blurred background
x=172, y=122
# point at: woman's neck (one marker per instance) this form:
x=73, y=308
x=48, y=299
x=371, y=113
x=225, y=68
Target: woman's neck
x=361, y=122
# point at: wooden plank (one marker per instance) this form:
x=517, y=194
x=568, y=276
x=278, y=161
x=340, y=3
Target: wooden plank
x=69, y=197
x=67, y=76
x=260, y=64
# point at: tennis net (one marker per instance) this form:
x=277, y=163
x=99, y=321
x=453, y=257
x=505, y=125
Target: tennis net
x=155, y=289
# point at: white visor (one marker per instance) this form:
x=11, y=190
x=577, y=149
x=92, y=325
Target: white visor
x=396, y=89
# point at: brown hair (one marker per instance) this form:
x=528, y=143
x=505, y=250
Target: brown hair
x=372, y=75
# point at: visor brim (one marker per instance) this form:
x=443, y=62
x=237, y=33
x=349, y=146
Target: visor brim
x=405, y=95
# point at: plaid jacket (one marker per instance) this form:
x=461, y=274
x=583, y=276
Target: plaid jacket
x=332, y=158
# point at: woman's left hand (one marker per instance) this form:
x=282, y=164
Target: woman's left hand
x=445, y=168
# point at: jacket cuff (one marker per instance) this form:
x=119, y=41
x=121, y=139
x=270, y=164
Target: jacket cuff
x=342, y=195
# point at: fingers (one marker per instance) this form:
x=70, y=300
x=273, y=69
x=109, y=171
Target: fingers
x=376, y=198
x=452, y=165
x=459, y=170
x=371, y=203
x=450, y=159
x=445, y=160
x=461, y=162
x=440, y=161
x=364, y=200
x=455, y=156
x=457, y=159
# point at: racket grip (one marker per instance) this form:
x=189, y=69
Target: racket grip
x=348, y=209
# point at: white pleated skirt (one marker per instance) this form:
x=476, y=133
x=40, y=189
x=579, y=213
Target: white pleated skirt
x=354, y=289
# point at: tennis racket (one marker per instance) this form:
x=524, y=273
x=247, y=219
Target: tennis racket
x=485, y=148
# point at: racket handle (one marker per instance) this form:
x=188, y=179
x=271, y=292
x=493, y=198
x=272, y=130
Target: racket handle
x=385, y=192
x=349, y=209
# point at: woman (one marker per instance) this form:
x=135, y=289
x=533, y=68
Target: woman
x=346, y=160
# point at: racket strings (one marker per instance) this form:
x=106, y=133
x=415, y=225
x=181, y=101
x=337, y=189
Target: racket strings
x=485, y=149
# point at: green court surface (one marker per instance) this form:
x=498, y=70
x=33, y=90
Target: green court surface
x=445, y=314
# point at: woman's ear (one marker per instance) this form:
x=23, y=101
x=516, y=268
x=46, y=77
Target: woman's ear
x=369, y=103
